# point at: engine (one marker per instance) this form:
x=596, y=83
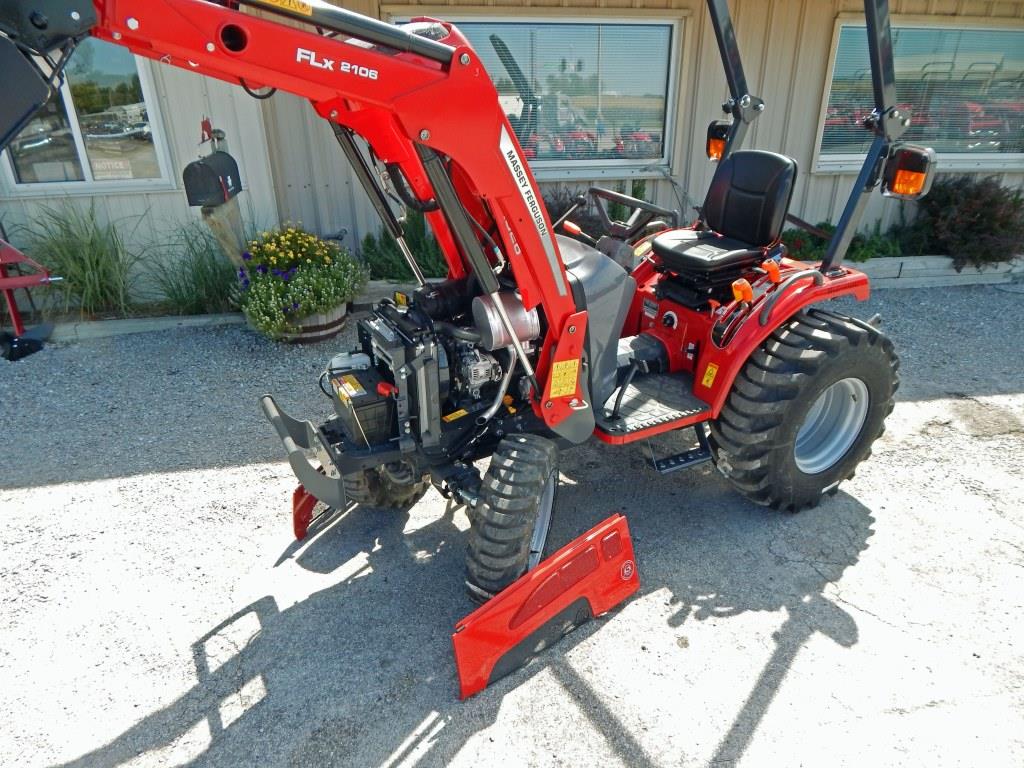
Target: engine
x=428, y=370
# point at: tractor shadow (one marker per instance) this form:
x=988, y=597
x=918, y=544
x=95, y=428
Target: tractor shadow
x=361, y=672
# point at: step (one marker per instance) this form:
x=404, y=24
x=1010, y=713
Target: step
x=691, y=458
x=657, y=400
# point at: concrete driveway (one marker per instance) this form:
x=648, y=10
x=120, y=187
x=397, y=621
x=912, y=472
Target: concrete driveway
x=156, y=612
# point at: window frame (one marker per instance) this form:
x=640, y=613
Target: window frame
x=90, y=186
x=831, y=164
x=586, y=170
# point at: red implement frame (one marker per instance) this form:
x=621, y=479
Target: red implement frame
x=585, y=578
x=9, y=257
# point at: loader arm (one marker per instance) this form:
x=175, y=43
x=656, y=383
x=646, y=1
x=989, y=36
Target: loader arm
x=418, y=94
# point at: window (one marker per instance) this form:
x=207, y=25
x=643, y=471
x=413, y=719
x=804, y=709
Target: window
x=577, y=94
x=964, y=87
x=98, y=128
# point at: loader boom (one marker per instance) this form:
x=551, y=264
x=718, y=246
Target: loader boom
x=418, y=94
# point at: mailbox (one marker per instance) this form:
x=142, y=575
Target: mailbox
x=212, y=180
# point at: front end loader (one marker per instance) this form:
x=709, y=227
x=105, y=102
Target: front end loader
x=538, y=341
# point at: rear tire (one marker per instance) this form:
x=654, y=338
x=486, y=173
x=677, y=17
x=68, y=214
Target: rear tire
x=511, y=521
x=388, y=487
x=796, y=423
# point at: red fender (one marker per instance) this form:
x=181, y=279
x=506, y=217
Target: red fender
x=717, y=367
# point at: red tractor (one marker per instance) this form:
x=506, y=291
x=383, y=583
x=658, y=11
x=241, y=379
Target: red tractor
x=535, y=342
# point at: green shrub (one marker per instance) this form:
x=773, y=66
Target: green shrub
x=975, y=221
x=90, y=256
x=198, y=278
x=386, y=261
x=806, y=246
x=290, y=274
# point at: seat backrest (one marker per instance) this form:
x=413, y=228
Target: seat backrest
x=749, y=196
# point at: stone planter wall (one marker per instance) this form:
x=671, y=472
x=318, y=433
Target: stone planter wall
x=934, y=271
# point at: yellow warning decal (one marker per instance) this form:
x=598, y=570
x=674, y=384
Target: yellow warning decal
x=563, y=378
x=350, y=386
x=454, y=415
x=295, y=6
x=643, y=249
x=709, y=375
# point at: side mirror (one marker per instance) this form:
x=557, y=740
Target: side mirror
x=908, y=172
x=718, y=137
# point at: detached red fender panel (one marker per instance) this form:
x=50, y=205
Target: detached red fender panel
x=585, y=578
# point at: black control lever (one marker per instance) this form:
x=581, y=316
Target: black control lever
x=578, y=202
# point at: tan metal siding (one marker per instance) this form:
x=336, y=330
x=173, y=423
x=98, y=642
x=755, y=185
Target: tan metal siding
x=315, y=183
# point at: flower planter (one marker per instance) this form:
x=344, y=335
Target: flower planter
x=318, y=327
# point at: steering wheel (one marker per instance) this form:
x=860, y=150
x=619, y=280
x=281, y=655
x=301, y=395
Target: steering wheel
x=643, y=213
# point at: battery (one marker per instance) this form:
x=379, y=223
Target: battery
x=367, y=416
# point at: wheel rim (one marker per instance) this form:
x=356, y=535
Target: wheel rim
x=540, y=528
x=831, y=426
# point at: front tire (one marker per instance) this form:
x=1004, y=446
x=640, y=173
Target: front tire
x=392, y=486
x=511, y=521
x=805, y=410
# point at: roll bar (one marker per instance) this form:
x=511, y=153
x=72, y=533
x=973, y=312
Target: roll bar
x=886, y=122
x=744, y=107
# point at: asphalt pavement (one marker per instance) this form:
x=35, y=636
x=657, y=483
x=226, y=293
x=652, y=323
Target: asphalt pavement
x=156, y=611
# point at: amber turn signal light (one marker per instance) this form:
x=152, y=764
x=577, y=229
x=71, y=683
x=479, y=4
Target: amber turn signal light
x=909, y=183
x=718, y=136
x=908, y=172
x=742, y=291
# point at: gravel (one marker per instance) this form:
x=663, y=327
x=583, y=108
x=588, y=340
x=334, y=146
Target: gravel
x=156, y=611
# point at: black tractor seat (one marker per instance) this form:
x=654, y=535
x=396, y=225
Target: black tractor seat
x=744, y=210
x=686, y=251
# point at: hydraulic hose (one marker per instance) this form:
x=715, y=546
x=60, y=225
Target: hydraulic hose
x=622, y=390
x=463, y=334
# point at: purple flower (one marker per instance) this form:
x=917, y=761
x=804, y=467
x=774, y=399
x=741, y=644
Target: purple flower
x=246, y=255
x=295, y=305
x=241, y=273
x=262, y=269
x=245, y=283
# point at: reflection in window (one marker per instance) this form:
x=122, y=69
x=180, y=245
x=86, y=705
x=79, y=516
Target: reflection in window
x=109, y=111
x=107, y=95
x=574, y=91
x=964, y=87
